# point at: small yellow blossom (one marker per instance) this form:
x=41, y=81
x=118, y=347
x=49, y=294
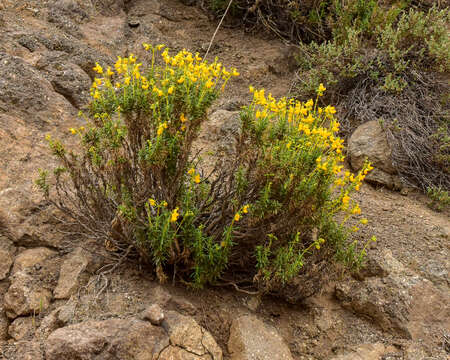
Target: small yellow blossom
x=98, y=69
x=245, y=209
x=237, y=217
x=170, y=90
x=152, y=202
x=364, y=221
x=197, y=178
x=191, y=171
x=174, y=216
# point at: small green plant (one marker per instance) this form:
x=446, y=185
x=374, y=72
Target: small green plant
x=440, y=198
x=136, y=186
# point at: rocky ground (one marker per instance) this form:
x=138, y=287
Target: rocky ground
x=58, y=300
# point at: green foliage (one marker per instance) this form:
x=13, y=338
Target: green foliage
x=416, y=41
x=392, y=67
x=135, y=184
x=440, y=198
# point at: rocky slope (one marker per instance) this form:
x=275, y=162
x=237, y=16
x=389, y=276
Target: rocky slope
x=57, y=298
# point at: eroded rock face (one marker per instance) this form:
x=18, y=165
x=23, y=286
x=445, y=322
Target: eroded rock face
x=113, y=339
x=251, y=339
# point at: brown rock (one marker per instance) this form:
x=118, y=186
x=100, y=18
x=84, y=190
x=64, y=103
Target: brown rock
x=22, y=328
x=3, y=324
x=5, y=263
x=186, y=333
x=30, y=258
x=400, y=302
x=177, y=353
x=113, y=339
x=29, y=350
x=154, y=314
x=369, y=141
x=71, y=269
x=57, y=319
x=251, y=339
x=366, y=352
x=25, y=297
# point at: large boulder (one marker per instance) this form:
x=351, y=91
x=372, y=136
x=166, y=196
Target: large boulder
x=113, y=339
x=400, y=301
x=251, y=339
x=369, y=141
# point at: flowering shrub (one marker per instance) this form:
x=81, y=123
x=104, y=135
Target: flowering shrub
x=136, y=185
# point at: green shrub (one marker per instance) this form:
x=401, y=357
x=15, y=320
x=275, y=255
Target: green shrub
x=440, y=198
x=392, y=74
x=136, y=185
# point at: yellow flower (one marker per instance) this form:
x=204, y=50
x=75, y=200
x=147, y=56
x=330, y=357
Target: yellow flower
x=109, y=72
x=96, y=95
x=98, y=68
x=160, y=47
x=245, y=209
x=356, y=210
x=321, y=89
x=73, y=131
x=170, y=90
x=237, y=217
x=126, y=81
x=191, y=171
x=364, y=221
x=146, y=46
x=161, y=128
x=182, y=118
x=197, y=178
x=180, y=80
x=152, y=202
x=235, y=73
x=164, y=203
x=345, y=200
x=174, y=216
x=209, y=84
x=117, y=85
x=251, y=88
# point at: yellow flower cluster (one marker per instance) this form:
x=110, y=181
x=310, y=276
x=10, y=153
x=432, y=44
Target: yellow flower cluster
x=195, y=176
x=174, y=216
x=238, y=215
